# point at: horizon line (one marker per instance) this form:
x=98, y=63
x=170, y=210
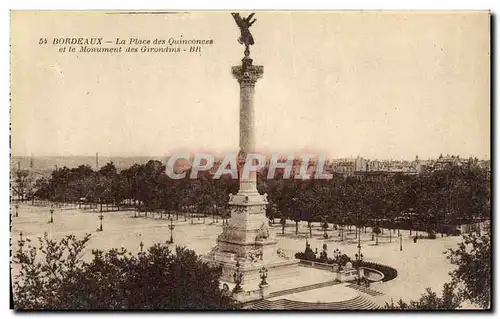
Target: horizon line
x=279, y=153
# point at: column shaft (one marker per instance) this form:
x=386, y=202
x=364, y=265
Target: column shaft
x=247, y=133
x=247, y=75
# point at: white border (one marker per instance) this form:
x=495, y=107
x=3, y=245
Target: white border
x=188, y=5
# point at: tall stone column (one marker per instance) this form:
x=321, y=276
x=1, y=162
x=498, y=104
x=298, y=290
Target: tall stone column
x=246, y=243
x=247, y=76
x=248, y=206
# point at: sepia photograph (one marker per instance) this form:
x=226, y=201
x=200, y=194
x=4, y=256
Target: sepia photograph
x=250, y=160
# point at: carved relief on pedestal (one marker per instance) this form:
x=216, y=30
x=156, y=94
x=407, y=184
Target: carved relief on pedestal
x=254, y=255
x=235, y=234
x=229, y=233
x=263, y=233
x=281, y=253
x=240, y=209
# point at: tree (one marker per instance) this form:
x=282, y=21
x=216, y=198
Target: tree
x=41, y=188
x=324, y=225
x=54, y=276
x=23, y=184
x=430, y=301
x=283, y=225
x=376, y=231
x=473, y=275
x=470, y=281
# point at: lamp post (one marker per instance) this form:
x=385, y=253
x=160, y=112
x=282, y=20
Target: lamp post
x=358, y=229
x=336, y=254
x=400, y=242
x=263, y=277
x=100, y=218
x=359, y=259
x=238, y=279
x=213, y=213
x=359, y=244
x=171, y=227
x=51, y=215
x=21, y=242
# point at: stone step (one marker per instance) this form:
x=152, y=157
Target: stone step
x=302, y=289
x=357, y=303
x=366, y=290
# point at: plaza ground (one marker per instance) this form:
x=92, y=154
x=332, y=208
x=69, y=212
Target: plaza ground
x=419, y=265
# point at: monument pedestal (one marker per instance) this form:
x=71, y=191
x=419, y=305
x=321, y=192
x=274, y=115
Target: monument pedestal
x=248, y=240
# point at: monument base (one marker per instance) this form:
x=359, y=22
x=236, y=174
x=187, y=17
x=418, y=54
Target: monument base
x=276, y=269
x=247, y=246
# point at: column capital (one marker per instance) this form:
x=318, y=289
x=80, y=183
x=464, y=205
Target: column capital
x=247, y=74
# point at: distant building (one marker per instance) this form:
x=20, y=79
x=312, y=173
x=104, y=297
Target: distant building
x=445, y=161
x=344, y=166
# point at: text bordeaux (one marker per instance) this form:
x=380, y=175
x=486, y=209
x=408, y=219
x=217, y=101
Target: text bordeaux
x=79, y=41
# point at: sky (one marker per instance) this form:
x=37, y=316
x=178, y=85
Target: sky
x=386, y=85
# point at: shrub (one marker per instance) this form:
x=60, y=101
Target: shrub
x=323, y=257
x=308, y=254
x=300, y=255
x=342, y=260
x=159, y=278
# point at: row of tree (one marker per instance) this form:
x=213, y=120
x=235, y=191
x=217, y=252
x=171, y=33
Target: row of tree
x=431, y=201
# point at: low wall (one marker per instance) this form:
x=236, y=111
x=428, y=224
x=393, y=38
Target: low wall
x=323, y=266
x=246, y=296
x=349, y=275
x=342, y=275
x=346, y=275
